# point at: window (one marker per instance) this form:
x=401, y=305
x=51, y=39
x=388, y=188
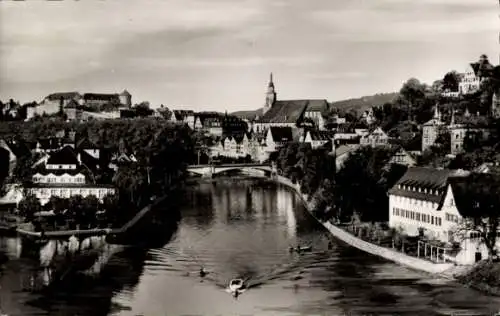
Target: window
x=432, y=220
x=439, y=221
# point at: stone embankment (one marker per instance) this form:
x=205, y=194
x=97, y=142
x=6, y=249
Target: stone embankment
x=445, y=269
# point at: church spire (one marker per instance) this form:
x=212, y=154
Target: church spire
x=270, y=95
x=271, y=83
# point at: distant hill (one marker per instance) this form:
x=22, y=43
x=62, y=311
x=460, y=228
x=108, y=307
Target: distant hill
x=358, y=104
x=364, y=103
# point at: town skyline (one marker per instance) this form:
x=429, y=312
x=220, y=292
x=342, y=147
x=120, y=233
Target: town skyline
x=199, y=57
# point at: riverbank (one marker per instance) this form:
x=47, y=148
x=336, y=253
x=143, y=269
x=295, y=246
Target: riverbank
x=446, y=270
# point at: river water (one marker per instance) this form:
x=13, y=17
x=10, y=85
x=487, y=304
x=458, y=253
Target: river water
x=234, y=228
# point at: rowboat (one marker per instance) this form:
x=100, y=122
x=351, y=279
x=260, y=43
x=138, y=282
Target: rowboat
x=236, y=285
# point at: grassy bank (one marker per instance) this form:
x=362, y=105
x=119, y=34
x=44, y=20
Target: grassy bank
x=484, y=276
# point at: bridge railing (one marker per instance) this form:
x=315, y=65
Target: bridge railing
x=230, y=165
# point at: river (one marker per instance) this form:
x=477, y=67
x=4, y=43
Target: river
x=234, y=228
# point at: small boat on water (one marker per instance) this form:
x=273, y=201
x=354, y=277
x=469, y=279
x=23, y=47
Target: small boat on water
x=236, y=285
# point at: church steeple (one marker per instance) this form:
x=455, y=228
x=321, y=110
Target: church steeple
x=270, y=95
x=271, y=83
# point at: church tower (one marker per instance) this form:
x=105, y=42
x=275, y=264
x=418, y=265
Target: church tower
x=270, y=95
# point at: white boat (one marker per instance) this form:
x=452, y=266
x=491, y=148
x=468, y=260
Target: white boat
x=236, y=285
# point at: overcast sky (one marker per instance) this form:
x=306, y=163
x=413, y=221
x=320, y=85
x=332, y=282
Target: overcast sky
x=217, y=54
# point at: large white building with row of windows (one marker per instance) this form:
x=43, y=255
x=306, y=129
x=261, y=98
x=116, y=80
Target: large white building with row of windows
x=63, y=174
x=436, y=202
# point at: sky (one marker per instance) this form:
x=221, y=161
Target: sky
x=217, y=54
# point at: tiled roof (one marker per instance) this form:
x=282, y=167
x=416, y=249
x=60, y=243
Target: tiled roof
x=422, y=183
x=288, y=111
x=481, y=69
x=281, y=134
x=181, y=114
x=100, y=96
x=473, y=121
x=321, y=135
x=477, y=194
x=317, y=105
x=65, y=95
x=65, y=156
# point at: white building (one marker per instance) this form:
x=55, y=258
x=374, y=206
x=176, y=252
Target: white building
x=376, y=137
x=439, y=201
x=414, y=202
x=63, y=176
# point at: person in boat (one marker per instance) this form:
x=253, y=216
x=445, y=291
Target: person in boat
x=202, y=272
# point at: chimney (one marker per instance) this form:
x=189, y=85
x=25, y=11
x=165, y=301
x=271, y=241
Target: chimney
x=79, y=158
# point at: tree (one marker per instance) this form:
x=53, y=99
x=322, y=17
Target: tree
x=90, y=206
x=110, y=204
x=28, y=206
x=412, y=93
x=451, y=81
x=75, y=204
x=478, y=200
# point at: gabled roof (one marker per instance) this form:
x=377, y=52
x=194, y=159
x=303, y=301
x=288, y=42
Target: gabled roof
x=483, y=69
x=65, y=95
x=281, y=134
x=421, y=183
x=477, y=195
x=125, y=93
x=376, y=129
x=64, y=156
x=286, y=111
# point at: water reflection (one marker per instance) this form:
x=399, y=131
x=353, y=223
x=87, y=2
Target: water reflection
x=232, y=229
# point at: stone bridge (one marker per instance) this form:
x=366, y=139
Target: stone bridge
x=210, y=170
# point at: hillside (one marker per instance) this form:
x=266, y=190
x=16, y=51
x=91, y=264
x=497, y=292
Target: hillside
x=364, y=103
x=358, y=104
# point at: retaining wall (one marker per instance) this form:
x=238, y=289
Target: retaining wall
x=386, y=253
